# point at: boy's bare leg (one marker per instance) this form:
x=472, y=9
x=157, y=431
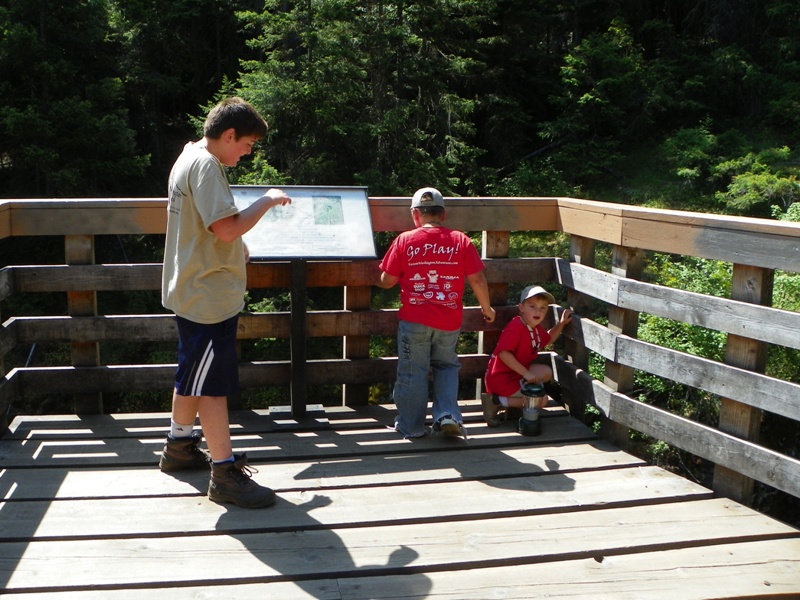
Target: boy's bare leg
x=230, y=482
x=213, y=411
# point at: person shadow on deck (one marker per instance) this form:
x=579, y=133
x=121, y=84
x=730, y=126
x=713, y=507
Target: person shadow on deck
x=294, y=546
x=324, y=542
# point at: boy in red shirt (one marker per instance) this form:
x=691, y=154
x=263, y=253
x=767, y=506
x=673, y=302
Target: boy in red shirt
x=431, y=263
x=512, y=362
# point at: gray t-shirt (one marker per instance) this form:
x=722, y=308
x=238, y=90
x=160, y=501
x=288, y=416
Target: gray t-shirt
x=204, y=278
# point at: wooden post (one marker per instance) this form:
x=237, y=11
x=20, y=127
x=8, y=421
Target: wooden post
x=753, y=285
x=79, y=250
x=494, y=244
x=356, y=346
x=625, y=262
x=582, y=252
x=4, y=409
x=297, y=343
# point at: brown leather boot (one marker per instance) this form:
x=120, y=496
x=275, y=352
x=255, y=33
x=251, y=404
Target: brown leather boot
x=184, y=453
x=231, y=483
x=491, y=409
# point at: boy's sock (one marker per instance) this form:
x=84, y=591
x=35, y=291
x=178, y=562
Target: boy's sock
x=230, y=459
x=177, y=431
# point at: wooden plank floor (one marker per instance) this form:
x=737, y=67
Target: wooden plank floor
x=363, y=514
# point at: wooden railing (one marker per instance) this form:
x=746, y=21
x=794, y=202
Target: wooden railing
x=756, y=248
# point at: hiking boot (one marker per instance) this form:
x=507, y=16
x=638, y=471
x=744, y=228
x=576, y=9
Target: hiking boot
x=449, y=427
x=231, y=483
x=491, y=409
x=184, y=453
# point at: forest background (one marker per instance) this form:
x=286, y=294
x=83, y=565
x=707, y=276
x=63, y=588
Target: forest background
x=662, y=103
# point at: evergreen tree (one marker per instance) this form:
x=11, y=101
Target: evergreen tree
x=604, y=101
x=62, y=113
x=368, y=92
x=174, y=55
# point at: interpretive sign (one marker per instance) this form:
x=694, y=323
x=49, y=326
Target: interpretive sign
x=320, y=223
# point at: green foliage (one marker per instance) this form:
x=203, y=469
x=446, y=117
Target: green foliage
x=63, y=119
x=538, y=244
x=396, y=95
x=690, y=273
x=759, y=180
x=692, y=151
x=792, y=213
x=358, y=92
x=782, y=362
x=693, y=275
x=173, y=56
x=535, y=177
x=603, y=102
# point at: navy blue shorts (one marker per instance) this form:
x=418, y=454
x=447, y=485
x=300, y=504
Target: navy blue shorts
x=207, y=362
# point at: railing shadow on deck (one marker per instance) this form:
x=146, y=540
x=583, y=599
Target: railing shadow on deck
x=755, y=247
x=71, y=461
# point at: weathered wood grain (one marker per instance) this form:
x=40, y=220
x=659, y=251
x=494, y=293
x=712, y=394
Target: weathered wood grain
x=754, y=570
x=749, y=387
x=403, y=503
x=761, y=569
x=755, y=461
x=362, y=513
x=358, y=551
x=122, y=378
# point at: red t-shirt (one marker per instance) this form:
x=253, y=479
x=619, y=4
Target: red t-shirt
x=524, y=344
x=432, y=264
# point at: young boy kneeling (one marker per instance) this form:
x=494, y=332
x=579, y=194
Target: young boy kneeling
x=512, y=363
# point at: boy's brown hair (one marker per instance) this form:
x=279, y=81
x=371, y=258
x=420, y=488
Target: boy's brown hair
x=237, y=114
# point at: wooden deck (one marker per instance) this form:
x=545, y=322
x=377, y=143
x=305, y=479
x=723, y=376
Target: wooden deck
x=363, y=514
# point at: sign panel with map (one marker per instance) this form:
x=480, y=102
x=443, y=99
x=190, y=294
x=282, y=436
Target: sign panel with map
x=320, y=223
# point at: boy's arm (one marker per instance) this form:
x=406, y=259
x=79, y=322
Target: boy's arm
x=235, y=226
x=477, y=281
x=555, y=332
x=512, y=363
x=386, y=280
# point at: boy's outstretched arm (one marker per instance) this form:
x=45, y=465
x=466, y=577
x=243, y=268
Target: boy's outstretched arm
x=555, y=332
x=235, y=226
x=477, y=281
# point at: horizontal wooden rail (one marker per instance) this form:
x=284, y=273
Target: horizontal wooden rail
x=253, y=374
x=160, y=328
x=147, y=276
x=753, y=321
x=762, y=464
x=747, y=387
x=742, y=240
